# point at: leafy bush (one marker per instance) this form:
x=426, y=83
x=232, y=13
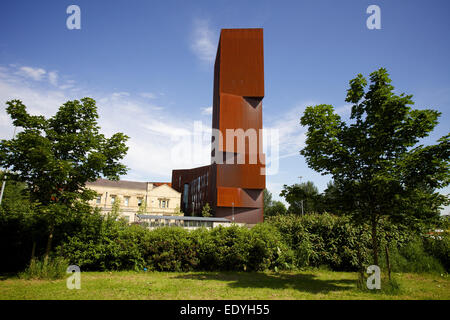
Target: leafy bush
x=412, y=257
x=268, y=250
x=323, y=239
x=334, y=241
x=170, y=249
x=114, y=246
x=99, y=243
x=105, y=244
x=54, y=268
x=439, y=247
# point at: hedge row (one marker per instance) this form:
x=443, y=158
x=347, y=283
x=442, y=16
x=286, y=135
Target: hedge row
x=334, y=242
x=283, y=242
x=116, y=246
x=97, y=243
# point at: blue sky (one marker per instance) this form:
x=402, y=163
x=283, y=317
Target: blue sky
x=149, y=65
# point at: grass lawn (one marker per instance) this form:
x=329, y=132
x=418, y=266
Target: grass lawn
x=314, y=284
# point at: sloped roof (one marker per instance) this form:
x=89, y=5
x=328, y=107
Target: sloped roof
x=125, y=184
x=157, y=184
x=186, y=218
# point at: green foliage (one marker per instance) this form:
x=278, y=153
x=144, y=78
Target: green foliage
x=302, y=198
x=98, y=243
x=267, y=198
x=115, y=209
x=106, y=244
x=272, y=208
x=276, y=208
x=170, y=249
x=334, y=241
x=268, y=250
x=322, y=240
x=206, y=210
x=412, y=257
x=54, y=268
x=374, y=160
x=226, y=249
x=103, y=243
x=142, y=208
x=55, y=157
x=438, y=246
x=24, y=225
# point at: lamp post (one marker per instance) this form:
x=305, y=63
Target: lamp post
x=232, y=211
x=3, y=188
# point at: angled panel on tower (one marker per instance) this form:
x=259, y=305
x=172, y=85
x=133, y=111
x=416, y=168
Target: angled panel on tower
x=233, y=189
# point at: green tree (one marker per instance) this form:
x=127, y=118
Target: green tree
x=115, y=209
x=142, y=208
x=267, y=200
x=276, y=208
x=374, y=159
x=333, y=199
x=55, y=157
x=302, y=197
x=206, y=210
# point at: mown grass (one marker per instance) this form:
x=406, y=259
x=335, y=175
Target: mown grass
x=313, y=284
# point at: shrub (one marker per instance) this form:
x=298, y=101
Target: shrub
x=323, y=239
x=411, y=257
x=54, y=268
x=232, y=246
x=334, y=241
x=439, y=248
x=170, y=249
x=268, y=250
x=113, y=246
x=97, y=243
x=105, y=244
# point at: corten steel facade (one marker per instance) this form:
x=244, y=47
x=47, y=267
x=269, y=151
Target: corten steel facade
x=232, y=190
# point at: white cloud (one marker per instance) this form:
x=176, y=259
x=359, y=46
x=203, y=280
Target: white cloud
x=153, y=130
x=33, y=73
x=67, y=85
x=53, y=78
x=118, y=95
x=204, y=41
x=292, y=135
x=207, y=110
x=148, y=95
x=275, y=189
x=159, y=141
x=344, y=110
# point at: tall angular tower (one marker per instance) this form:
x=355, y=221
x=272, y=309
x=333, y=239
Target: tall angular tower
x=233, y=184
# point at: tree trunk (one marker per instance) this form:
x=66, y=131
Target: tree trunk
x=388, y=262
x=375, y=241
x=360, y=263
x=49, y=244
x=33, y=251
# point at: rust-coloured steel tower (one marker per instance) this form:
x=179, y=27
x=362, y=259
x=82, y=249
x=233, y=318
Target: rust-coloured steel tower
x=233, y=184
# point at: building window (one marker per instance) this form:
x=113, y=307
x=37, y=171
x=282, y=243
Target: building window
x=126, y=201
x=140, y=201
x=163, y=203
x=113, y=199
x=99, y=199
